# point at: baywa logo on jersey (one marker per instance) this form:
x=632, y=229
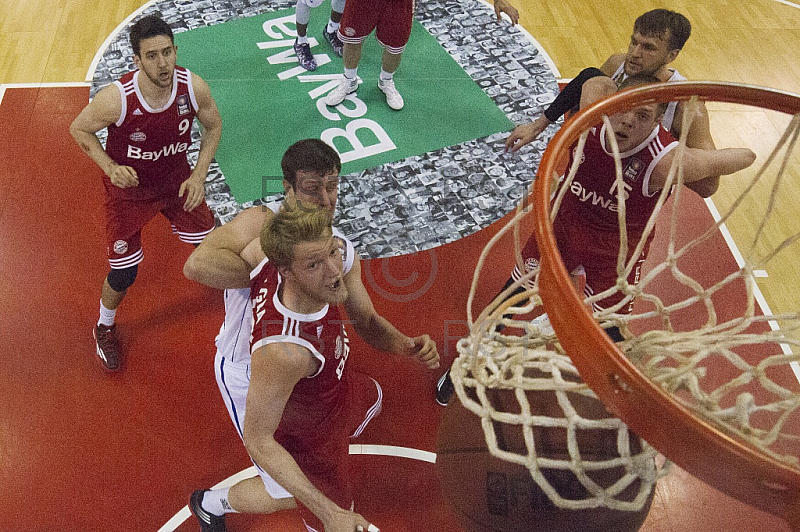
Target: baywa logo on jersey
x=120, y=247
x=183, y=105
x=138, y=136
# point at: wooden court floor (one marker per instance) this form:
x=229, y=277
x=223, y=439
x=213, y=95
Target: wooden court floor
x=82, y=452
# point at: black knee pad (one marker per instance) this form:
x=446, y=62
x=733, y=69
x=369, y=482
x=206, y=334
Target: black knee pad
x=120, y=280
x=615, y=334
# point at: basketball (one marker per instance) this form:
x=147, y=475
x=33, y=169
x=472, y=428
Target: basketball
x=490, y=494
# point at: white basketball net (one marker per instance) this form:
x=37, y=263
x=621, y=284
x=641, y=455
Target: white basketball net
x=751, y=405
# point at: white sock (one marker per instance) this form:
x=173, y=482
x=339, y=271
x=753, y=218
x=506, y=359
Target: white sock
x=332, y=26
x=351, y=73
x=386, y=76
x=106, y=315
x=303, y=39
x=216, y=502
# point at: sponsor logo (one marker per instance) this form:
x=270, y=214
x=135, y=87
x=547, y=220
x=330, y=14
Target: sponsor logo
x=319, y=331
x=138, y=136
x=632, y=169
x=183, y=105
x=590, y=196
x=138, y=112
x=135, y=152
x=353, y=132
x=120, y=247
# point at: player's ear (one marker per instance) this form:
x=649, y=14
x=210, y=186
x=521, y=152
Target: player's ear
x=672, y=55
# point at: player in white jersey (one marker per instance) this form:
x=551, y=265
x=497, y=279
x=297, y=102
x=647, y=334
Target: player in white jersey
x=225, y=260
x=657, y=39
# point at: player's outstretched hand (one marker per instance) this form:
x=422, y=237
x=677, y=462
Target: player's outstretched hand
x=347, y=521
x=526, y=133
x=195, y=191
x=123, y=176
x=424, y=349
x=503, y=6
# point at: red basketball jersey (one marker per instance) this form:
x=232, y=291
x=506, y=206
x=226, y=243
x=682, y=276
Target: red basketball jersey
x=592, y=197
x=154, y=142
x=315, y=416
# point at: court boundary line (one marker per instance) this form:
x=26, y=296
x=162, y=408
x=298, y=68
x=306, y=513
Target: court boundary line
x=759, y=296
x=788, y=3
x=4, y=86
x=375, y=450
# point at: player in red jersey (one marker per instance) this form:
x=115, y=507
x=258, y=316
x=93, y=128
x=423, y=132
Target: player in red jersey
x=391, y=20
x=586, y=225
x=225, y=260
x=149, y=114
x=658, y=37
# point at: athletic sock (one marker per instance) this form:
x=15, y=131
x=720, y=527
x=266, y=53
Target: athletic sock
x=106, y=315
x=332, y=26
x=386, y=76
x=302, y=40
x=216, y=502
x=351, y=73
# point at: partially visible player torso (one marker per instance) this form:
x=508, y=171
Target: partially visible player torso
x=152, y=141
x=592, y=197
x=316, y=409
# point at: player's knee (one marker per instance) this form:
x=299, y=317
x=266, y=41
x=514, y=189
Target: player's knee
x=120, y=279
x=589, y=73
x=615, y=334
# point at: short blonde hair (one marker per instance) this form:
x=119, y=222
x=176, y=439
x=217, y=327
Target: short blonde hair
x=290, y=226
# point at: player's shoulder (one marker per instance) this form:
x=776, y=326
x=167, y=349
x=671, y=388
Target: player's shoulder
x=612, y=64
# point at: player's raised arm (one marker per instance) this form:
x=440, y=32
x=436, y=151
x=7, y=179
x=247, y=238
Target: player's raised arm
x=701, y=164
x=221, y=260
x=698, y=136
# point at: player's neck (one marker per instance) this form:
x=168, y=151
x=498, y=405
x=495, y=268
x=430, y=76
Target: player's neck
x=155, y=95
x=663, y=73
x=297, y=300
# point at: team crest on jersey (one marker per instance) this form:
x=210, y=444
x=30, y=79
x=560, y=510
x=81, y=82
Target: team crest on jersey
x=183, y=105
x=632, y=169
x=120, y=247
x=531, y=265
x=138, y=136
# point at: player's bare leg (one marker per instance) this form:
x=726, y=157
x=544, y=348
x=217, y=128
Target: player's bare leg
x=389, y=64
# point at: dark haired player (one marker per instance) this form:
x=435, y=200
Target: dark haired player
x=149, y=114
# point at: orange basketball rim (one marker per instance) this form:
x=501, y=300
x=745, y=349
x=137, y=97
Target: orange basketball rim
x=731, y=466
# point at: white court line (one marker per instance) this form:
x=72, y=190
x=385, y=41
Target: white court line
x=790, y=4
x=4, y=86
x=762, y=302
x=377, y=450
